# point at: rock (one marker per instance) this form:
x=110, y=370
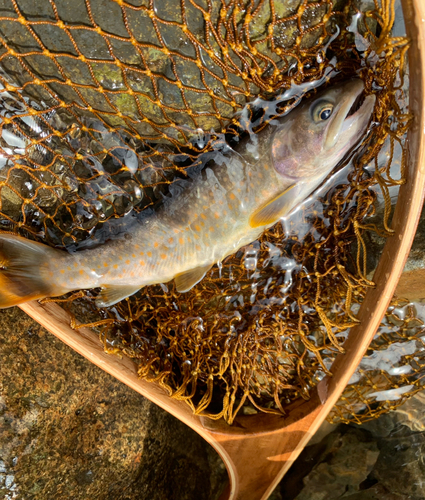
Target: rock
x=69, y=430
x=379, y=460
x=377, y=492
x=337, y=467
x=400, y=467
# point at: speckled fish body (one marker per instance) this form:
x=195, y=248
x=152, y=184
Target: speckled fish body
x=206, y=222
x=227, y=205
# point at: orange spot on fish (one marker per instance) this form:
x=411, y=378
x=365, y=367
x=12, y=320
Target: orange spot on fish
x=266, y=167
x=81, y=271
x=181, y=241
x=127, y=262
x=105, y=264
x=170, y=240
x=62, y=271
x=69, y=268
x=204, y=216
x=142, y=253
x=197, y=227
x=133, y=255
x=156, y=244
x=198, y=248
x=132, y=274
x=115, y=266
x=142, y=262
x=202, y=223
x=211, y=229
x=75, y=264
x=149, y=254
x=232, y=196
x=216, y=215
x=163, y=256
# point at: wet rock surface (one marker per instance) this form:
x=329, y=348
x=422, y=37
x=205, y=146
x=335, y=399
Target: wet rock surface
x=382, y=459
x=69, y=430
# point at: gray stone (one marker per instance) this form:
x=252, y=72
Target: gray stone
x=69, y=430
x=346, y=462
x=400, y=467
x=377, y=492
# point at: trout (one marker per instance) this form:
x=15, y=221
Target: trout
x=236, y=196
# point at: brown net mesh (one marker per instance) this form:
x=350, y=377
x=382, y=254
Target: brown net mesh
x=97, y=102
x=391, y=372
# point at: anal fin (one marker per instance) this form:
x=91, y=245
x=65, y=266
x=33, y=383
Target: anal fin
x=185, y=281
x=111, y=294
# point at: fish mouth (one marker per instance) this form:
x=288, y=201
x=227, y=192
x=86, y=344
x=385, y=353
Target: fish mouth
x=357, y=104
x=352, y=117
x=359, y=113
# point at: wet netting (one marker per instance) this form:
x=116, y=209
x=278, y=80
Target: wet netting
x=392, y=370
x=99, y=99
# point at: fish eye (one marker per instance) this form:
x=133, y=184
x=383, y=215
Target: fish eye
x=322, y=112
x=325, y=113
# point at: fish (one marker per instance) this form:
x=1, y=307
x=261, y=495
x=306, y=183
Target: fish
x=226, y=205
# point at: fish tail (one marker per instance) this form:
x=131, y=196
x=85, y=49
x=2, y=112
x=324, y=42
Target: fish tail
x=24, y=270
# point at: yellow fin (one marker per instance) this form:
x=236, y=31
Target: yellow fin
x=111, y=294
x=22, y=265
x=185, y=281
x=273, y=210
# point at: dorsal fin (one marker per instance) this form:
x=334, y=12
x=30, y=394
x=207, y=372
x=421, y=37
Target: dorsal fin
x=270, y=212
x=185, y=281
x=111, y=294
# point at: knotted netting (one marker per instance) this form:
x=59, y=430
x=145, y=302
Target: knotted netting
x=105, y=104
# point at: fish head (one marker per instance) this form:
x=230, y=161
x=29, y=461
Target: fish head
x=314, y=137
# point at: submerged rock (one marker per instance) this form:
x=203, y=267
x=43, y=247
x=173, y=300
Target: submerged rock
x=379, y=460
x=156, y=70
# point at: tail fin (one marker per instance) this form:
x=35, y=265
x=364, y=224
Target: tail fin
x=24, y=271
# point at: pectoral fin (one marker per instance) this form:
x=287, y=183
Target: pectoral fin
x=111, y=294
x=185, y=281
x=274, y=209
